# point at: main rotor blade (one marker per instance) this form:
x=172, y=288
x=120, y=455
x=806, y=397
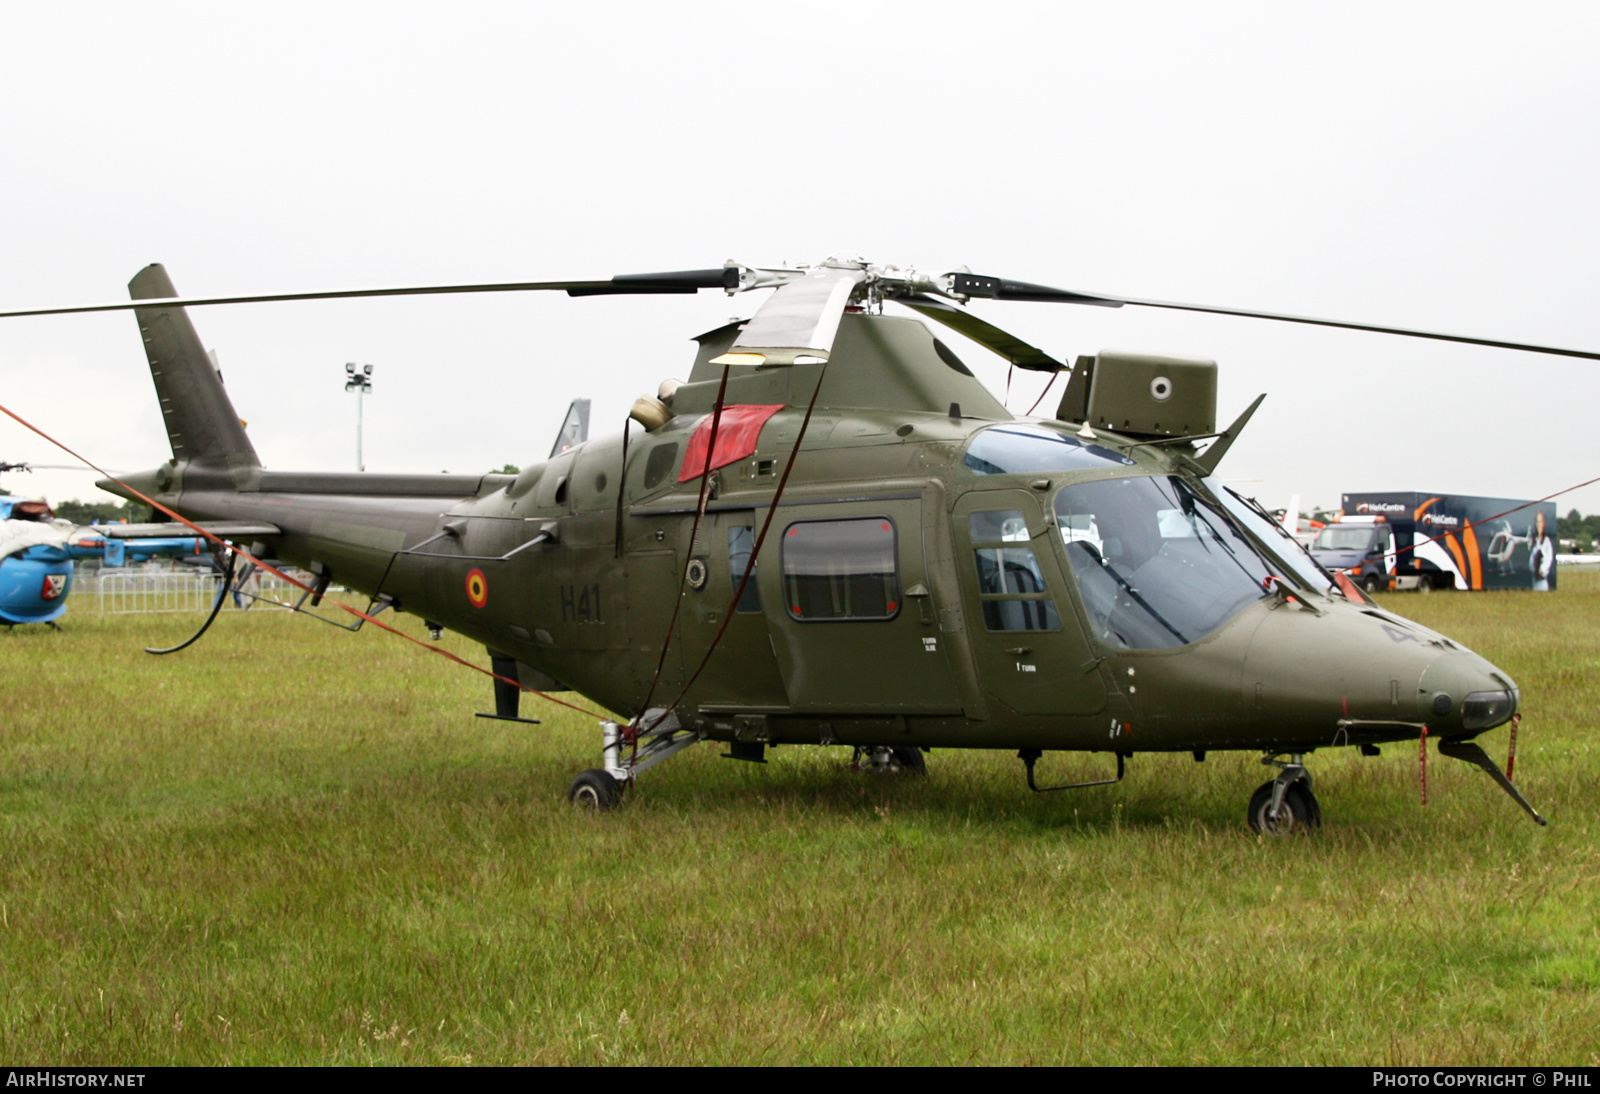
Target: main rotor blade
x=986, y=334
x=724, y=277
x=798, y=322
x=680, y=281
x=1404, y=332
x=996, y=288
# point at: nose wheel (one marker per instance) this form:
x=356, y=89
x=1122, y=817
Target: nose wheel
x=1285, y=805
x=595, y=789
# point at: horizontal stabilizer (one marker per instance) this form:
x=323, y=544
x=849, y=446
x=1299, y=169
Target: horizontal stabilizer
x=222, y=529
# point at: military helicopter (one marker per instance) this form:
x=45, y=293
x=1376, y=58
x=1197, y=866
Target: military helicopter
x=939, y=572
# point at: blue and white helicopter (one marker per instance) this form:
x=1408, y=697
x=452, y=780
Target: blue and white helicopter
x=37, y=552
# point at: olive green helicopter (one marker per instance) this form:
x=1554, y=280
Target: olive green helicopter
x=939, y=572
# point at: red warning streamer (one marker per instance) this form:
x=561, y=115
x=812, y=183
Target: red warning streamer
x=1422, y=763
x=1043, y=393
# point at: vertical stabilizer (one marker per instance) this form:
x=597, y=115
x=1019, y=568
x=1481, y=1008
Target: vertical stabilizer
x=574, y=428
x=200, y=419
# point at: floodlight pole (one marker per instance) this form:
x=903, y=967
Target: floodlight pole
x=360, y=382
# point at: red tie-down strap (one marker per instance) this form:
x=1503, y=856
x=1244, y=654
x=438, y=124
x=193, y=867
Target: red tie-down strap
x=736, y=439
x=1422, y=763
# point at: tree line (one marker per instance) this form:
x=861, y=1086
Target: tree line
x=1582, y=530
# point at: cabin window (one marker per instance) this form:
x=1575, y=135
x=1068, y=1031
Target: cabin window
x=31, y=510
x=1010, y=584
x=841, y=569
x=741, y=541
x=1031, y=449
x=1157, y=566
x=660, y=463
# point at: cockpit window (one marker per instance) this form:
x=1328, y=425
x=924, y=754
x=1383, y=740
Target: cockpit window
x=1156, y=565
x=1028, y=449
x=1010, y=583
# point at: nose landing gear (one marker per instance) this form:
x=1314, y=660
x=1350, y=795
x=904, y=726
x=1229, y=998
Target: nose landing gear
x=659, y=735
x=1285, y=805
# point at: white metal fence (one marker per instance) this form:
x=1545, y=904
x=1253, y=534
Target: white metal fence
x=128, y=592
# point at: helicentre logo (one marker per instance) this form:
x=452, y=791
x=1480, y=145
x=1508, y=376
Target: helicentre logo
x=1441, y=519
x=1379, y=507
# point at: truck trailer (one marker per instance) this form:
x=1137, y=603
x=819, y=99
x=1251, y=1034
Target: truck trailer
x=1415, y=540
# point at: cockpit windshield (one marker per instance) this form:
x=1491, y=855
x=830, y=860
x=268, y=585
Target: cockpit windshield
x=1156, y=564
x=1274, y=536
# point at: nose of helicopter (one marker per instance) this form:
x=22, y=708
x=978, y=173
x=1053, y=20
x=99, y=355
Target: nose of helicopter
x=1370, y=674
x=1461, y=694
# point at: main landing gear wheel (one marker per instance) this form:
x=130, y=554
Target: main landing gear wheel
x=890, y=760
x=911, y=760
x=595, y=790
x=1298, y=813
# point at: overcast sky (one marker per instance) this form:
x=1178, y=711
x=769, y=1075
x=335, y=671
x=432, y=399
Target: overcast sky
x=1427, y=165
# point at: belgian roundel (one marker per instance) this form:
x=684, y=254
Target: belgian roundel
x=477, y=588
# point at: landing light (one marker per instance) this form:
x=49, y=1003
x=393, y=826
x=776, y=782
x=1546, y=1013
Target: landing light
x=1484, y=709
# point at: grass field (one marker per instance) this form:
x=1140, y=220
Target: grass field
x=292, y=845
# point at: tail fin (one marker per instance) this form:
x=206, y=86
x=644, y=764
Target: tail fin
x=574, y=428
x=200, y=419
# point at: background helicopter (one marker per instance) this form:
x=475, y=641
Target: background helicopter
x=942, y=576
x=37, y=551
